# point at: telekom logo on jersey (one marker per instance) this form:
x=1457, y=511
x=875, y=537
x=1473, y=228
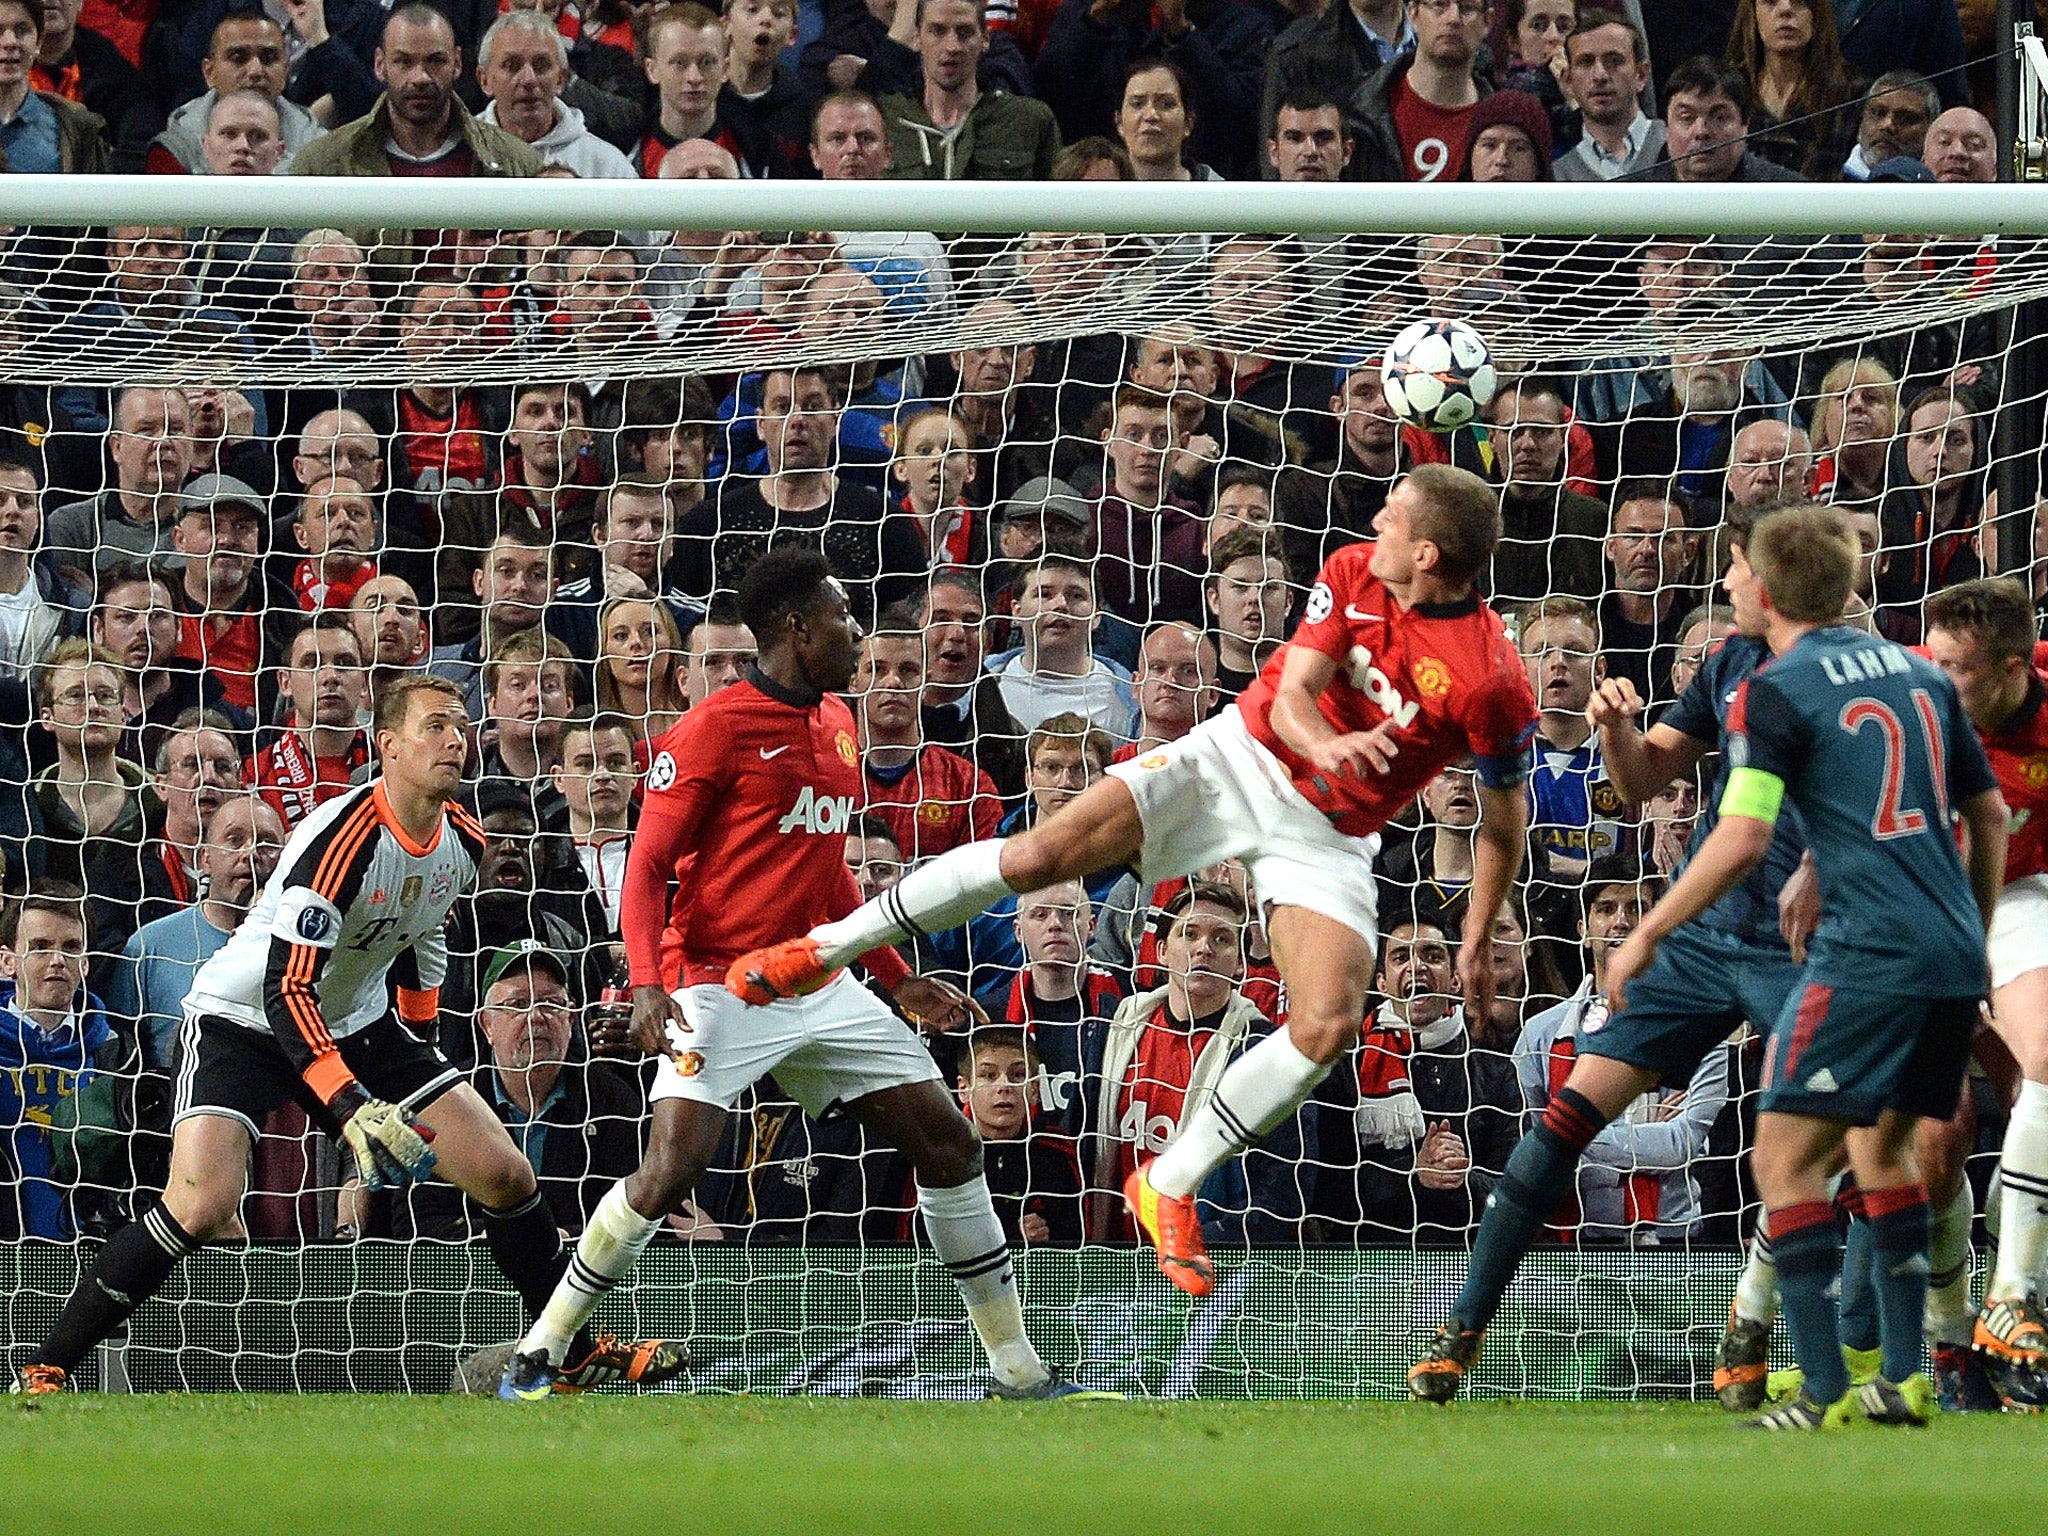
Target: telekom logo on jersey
x=818, y=813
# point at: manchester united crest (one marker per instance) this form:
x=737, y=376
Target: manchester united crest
x=1432, y=677
x=849, y=751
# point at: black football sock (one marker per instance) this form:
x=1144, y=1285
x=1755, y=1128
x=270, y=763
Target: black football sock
x=1898, y=1270
x=1809, y=1254
x=1858, y=1304
x=135, y=1262
x=528, y=1248
x=1538, y=1177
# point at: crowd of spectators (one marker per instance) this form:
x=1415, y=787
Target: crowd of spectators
x=1065, y=549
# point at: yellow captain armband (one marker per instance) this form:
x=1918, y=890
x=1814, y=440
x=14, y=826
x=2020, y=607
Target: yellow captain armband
x=1753, y=793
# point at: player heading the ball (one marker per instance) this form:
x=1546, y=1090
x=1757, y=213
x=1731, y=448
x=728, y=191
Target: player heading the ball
x=1396, y=668
x=298, y=1004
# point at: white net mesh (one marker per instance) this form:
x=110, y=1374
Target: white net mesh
x=538, y=462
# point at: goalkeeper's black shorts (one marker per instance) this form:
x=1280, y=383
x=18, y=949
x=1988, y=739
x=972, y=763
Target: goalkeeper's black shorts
x=225, y=1068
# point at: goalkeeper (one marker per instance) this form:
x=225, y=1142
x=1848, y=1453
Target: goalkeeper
x=297, y=1004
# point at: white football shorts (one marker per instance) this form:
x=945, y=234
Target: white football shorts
x=1218, y=794
x=2019, y=930
x=831, y=1047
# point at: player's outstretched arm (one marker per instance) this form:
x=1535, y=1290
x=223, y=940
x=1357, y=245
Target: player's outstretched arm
x=1640, y=763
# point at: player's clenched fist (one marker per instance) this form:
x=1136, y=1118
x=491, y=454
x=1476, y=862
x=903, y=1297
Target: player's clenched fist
x=1614, y=702
x=390, y=1150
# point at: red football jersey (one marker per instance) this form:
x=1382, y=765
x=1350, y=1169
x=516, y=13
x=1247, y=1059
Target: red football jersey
x=761, y=790
x=1444, y=673
x=1154, y=1092
x=940, y=801
x=2019, y=758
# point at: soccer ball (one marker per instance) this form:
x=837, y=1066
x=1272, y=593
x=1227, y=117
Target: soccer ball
x=1438, y=375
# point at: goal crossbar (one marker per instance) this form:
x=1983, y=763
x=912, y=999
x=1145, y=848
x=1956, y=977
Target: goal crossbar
x=1011, y=207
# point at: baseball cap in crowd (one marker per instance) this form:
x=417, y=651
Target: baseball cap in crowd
x=528, y=952
x=1900, y=168
x=223, y=491
x=1047, y=497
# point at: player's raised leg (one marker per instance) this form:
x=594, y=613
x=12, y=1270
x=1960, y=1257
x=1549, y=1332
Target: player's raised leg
x=1098, y=830
x=209, y=1159
x=1325, y=963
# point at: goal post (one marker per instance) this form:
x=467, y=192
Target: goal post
x=390, y=373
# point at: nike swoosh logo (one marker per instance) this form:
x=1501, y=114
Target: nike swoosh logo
x=767, y=756
x=1351, y=612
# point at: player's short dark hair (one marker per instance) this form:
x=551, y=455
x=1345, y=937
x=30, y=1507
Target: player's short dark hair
x=1996, y=609
x=1806, y=559
x=784, y=581
x=1460, y=516
x=1701, y=75
x=54, y=896
x=394, y=699
x=14, y=464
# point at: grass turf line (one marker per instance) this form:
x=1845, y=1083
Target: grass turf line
x=305, y=1466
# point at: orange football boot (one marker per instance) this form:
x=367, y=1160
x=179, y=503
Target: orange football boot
x=1175, y=1230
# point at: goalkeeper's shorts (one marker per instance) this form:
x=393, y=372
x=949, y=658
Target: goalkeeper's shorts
x=241, y=1074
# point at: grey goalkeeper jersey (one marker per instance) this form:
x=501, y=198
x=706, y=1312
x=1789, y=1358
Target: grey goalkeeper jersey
x=354, y=909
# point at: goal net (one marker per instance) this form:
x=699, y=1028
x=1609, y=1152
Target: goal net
x=1077, y=452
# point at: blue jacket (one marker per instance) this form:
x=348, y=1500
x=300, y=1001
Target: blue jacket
x=40, y=1069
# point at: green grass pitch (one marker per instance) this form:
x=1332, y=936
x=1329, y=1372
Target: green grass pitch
x=368, y=1465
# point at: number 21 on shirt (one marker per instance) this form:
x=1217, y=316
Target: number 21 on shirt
x=1892, y=818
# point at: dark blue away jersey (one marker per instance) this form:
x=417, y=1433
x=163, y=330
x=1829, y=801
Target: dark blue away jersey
x=1874, y=749
x=1701, y=712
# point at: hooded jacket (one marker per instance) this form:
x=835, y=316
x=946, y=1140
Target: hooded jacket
x=180, y=140
x=1002, y=138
